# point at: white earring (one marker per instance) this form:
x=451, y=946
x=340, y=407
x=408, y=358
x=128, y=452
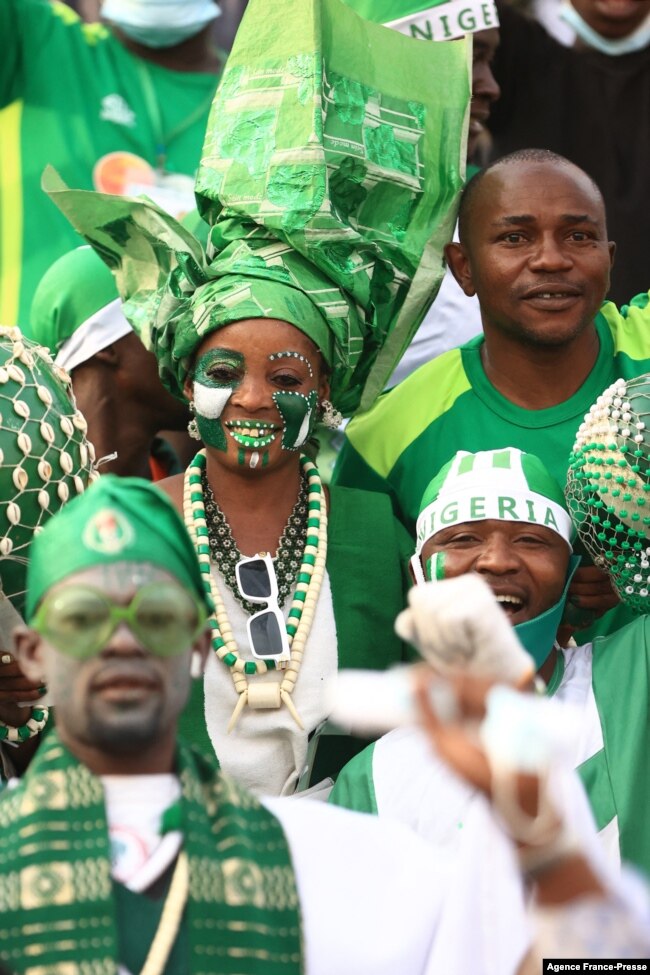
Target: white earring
x=192, y=426
x=196, y=666
x=330, y=417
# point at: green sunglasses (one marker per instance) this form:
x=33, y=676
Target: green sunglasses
x=80, y=620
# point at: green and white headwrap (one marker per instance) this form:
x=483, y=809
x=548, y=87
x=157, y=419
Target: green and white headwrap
x=331, y=170
x=430, y=20
x=76, y=310
x=503, y=485
x=608, y=487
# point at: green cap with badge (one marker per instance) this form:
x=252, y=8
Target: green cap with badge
x=118, y=519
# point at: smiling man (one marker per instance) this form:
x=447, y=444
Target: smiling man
x=500, y=515
x=123, y=849
x=534, y=247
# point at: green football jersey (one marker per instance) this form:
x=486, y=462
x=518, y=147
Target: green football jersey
x=71, y=95
x=449, y=404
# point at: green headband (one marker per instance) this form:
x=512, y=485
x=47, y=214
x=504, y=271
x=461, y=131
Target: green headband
x=332, y=165
x=119, y=519
x=430, y=20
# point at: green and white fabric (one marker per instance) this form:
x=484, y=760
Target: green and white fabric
x=264, y=897
x=501, y=485
x=430, y=20
x=56, y=893
x=611, y=680
x=330, y=174
x=73, y=96
x=76, y=311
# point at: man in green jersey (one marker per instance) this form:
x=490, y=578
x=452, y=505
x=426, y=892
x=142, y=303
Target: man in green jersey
x=120, y=106
x=534, y=248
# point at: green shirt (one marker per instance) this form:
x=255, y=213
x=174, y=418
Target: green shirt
x=449, y=404
x=70, y=94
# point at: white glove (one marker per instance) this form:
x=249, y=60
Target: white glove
x=457, y=624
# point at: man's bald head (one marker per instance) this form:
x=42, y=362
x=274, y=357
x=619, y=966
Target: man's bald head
x=480, y=183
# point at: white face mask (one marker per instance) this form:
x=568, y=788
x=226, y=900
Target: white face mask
x=635, y=41
x=160, y=23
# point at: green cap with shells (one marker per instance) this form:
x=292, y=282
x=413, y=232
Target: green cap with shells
x=45, y=458
x=608, y=487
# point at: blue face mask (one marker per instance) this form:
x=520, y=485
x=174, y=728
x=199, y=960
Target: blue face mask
x=635, y=41
x=538, y=635
x=159, y=23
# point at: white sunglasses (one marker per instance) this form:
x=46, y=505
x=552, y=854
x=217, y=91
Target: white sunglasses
x=267, y=632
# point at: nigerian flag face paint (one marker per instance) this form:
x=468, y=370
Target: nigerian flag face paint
x=299, y=415
x=218, y=372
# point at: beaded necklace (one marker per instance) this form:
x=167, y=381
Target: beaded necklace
x=265, y=695
x=226, y=555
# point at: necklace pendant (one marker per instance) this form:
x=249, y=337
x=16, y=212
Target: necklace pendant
x=264, y=696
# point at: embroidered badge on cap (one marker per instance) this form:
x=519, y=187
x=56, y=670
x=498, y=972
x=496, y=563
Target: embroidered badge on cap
x=108, y=532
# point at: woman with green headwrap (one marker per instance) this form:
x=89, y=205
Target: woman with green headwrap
x=330, y=191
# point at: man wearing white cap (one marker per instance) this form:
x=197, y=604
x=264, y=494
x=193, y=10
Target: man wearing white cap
x=77, y=314
x=500, y=515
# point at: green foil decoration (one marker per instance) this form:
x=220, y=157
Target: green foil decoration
x=332, y=165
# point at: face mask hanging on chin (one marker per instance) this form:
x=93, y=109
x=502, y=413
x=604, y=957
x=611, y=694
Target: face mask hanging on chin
x=538, y=635
x=159, y=23
x=635, y=41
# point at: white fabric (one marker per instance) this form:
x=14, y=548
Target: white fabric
x=452, y=320
x=547, y=12
x=154, y=13
x=104, y=327
x=484, y=928
x=134, y=808
x=576, y=688
x=371, y=893
x=266, y=751
x=612, y=46
x=615, y=927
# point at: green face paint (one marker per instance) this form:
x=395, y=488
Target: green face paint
x=434, y=569
x=299, y=414
x=217, y=373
